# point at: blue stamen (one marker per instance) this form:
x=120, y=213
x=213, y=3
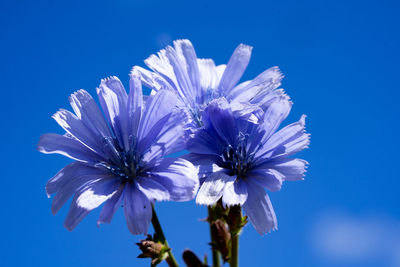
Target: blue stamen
x=236, y=158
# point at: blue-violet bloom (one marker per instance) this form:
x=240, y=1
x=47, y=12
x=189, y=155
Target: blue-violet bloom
x=244, y=158
x=198, y=81
x=119, y=158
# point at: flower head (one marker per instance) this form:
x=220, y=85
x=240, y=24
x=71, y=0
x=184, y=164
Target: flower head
x=240, y=159
x=119, y=158
x=199, y=81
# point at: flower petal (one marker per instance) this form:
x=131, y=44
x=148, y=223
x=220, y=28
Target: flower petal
x=157, y=107
x=167, y=136
x=218, y=116
x=160, y=64
x=151, y=79
x=285, y=142
x=186, y=48
x=213, y=188
x=88, y=198
x=54, y=143
x=114, y=100
x=184, y=62
x=91, y=117
x=203, y=143
x=235, y=68
x=259, y=209
x=152, y=189
x=247, y=112
x=235, y=193
x=265, y=99
x=177, y=176
x=256, y=89
x=267, y=178
x=293, y=146
x=111, y=206
x=291, y=169
x=75, y=127
x=89, y=113
x=137, y=209
x=69, y=173
x=205, y=164
x=273, y=117
x=210, y=76
x=79, y=180
x=135, y=102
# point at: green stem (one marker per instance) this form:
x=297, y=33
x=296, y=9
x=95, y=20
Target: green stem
x=215, y=252
x=157, y=228
x=235, y=223
x=234, y=260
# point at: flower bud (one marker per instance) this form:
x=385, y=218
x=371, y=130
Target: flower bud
x=221, y=237
x=191, y=259
x=235, y=220
x=150, y=249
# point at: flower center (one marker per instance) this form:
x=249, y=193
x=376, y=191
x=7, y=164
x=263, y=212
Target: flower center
x=127, y=166
x=236, y=159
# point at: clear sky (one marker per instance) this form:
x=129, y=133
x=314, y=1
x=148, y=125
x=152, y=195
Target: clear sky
x=341, y=62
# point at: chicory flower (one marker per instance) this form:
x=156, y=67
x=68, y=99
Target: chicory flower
x=241, y=158
x=119, y=158
x=197, y=82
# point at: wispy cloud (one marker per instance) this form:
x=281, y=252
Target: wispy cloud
x=341, y=237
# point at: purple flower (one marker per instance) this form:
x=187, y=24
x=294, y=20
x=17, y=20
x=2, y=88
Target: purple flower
x=198, y=81
x=240, y=158
x=119, y=158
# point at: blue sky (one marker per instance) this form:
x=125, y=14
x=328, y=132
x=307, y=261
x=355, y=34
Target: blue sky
x=340, y=59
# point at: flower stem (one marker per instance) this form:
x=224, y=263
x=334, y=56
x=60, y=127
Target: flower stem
x=234, y=261
x=215, y=252
x=235, y=222
x=157, y=228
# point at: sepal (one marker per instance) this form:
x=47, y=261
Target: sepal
x=154, y=249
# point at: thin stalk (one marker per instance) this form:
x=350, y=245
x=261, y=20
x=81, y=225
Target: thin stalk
x=157, y=228
x=234, y=260
x=215, y=252
x=235, y=226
